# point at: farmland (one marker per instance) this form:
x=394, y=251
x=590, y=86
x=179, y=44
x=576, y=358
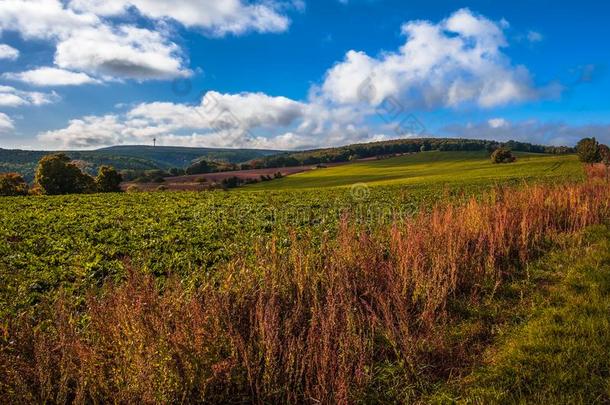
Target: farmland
x=229, y=269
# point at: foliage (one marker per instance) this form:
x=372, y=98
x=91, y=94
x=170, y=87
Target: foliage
x=12, y=184
x=129, y=158
x=56, y=174
x=392, y=148
x=205, y=166
x=303, y=319
x=588, y=150
x=108, y=180
x=503, y=155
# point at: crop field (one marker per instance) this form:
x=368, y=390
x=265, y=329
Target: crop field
x=81, y=240
x=367, y=282
x=431, y=168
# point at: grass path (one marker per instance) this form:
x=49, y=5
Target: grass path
x=562, y=353
x=429, y=168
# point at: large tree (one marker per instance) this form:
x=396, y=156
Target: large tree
x=108, y=180
x=56, y=174
x=588, y=150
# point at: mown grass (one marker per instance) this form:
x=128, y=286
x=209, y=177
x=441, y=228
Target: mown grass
x=431, y=168
x=560, y=353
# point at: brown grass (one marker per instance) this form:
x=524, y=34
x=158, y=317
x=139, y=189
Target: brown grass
x=596, y=170
x=302, y=324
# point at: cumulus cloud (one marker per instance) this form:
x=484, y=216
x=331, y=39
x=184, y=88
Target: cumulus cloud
x=11, y=97
x=456, y=61
x=253, y=120
x=534, y=131
x=213, y=16
x=48, y=76
x=8, y=52
x=6, y=123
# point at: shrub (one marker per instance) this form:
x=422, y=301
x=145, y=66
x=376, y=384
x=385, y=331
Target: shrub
x=502, y=155
x=588, y=150
x=56, y=174
x=13, y=184
x=108, y=180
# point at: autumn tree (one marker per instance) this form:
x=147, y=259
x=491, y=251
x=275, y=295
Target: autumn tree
x=588, y=150
x=56, y=174
x=13, y=184
x=108, y=180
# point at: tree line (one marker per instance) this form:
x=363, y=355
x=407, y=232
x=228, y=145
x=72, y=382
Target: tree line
x=57, y=174
x=389, y=148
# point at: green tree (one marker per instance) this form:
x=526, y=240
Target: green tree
x=108, y=180
x=502, y=155
x=13, y=184
x=588, y=150
x=56, y=174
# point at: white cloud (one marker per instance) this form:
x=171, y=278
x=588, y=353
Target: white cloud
x=6, y=123
x=456, y=61
x=213, y=16
x=121, y=52
x=534, y=36
x=8, y=52
x=88, y=44
x=11, y=97
x=251, y=120
x=48, y=76
x=497, y=122
x=533, y=131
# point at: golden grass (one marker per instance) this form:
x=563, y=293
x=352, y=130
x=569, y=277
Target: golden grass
x=303, y=323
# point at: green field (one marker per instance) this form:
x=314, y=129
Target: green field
x=67, y=248
x=431, y=168
x=77, y=241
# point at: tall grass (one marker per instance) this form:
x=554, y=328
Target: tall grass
x=304, y=323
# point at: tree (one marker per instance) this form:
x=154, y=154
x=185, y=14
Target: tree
x=56, y=174
x=108, y=180
x=13, y=184
x=502, y=155
x=588, y=150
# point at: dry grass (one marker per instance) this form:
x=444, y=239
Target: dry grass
x=303, y=324
x=596, y=170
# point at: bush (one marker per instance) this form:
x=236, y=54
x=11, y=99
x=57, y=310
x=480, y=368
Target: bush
x=588, y=150
x=108, y=180
x=502, y=155
x=56, y=174
x=12, y=184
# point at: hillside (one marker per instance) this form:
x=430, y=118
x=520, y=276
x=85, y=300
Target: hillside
x=430, y=168
x=128, y=157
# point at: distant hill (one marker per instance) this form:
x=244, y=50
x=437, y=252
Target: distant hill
x=129, y=157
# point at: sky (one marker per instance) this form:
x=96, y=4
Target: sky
x=299, y=74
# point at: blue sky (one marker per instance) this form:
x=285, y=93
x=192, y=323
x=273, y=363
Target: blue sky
x=83, y=74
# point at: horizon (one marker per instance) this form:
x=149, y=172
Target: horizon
x=297, y=75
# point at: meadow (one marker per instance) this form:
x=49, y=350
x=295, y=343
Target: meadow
x=303, y=289
x=432, y=168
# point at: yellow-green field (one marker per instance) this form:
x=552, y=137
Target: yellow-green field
x=430, y=168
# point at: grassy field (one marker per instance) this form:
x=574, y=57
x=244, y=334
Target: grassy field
x=431, y=168
x=302, y=288
x=558, y=350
